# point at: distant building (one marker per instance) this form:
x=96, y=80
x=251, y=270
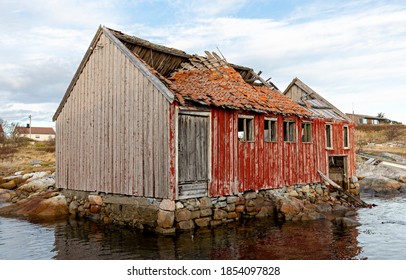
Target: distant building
x=364, y=119
x=35, y=133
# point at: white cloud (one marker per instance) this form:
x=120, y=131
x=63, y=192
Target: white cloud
x=350, y=52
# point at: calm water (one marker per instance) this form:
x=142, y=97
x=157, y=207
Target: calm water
x=382, y=235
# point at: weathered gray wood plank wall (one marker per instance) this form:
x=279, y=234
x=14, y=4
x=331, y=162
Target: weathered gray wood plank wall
x=113, y=131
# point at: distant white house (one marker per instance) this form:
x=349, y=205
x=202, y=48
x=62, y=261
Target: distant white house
x=36, y=133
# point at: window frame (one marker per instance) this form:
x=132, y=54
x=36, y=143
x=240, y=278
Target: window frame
x=346, y=138
x=329, y=137
x=272, y=138
x=308, y=124
x=249, y=134
x=287, y=131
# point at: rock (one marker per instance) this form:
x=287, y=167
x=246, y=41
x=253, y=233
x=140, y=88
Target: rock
x=165, y=219
x=402, y=178
x=231, y=199
x=230, y=207
x=95, y=200
x=346, y=222
x=94, y=209
x=206, y=212
x=240, y=201
x=38, y=184
x=293, y=193
x=350, y=214
x=219, y=214
x=5, y=195
x=167, y=205
x=290, y=207
x=73, y=206
x=18, y=173
x=44, y=206
x=179, y=205
x=339, y=208
x=311, y=216
x=215, y=223
x=195, y=215
x=9, y=185
x=182, y=215
x=186, y=225
x=38, y=175
x=232, y=215
x=220, y=204
x=202, y=222
x=165, y=231
x=262, y=213
x=319, y=190
x=378, y=184
x=222, y=198
x=250, y=195
x=205, y=203
x=27, y=176
x=354, y=179
x=305, y=189
x=394, y=157
x=240, y=208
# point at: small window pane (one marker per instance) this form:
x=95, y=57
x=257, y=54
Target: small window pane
x=346, y=141
x=329, y=136
x=246, y=129
x=289, y=131
x=270, y=130
x=306, y=132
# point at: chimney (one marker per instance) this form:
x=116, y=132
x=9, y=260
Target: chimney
x=28, y=125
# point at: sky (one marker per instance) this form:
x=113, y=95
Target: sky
x=353, y=53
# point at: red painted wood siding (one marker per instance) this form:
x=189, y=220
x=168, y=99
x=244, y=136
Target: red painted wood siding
x=241, y=166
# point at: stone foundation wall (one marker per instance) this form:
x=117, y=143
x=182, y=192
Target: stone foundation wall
x=299, y=202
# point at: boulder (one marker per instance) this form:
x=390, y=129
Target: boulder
x=167, y=205
x=9, y=185
x=202, y=222
x=379, y=184
x=182, y=215
x=323, y=207
x=346, y=222
x=186, y=225
x=290, y=207
x=165, y=219
x=219, y=214
x=38, y=184
x=38, y=175
x=47, y=205
x=95, y=199
x=205, y=203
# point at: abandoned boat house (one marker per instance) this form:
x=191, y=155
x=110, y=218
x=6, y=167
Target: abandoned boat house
x=144, y=120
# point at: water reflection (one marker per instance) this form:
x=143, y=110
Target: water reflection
x=254, y=239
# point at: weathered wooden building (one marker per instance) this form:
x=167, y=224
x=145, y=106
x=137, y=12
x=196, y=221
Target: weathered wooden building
x=334, y=132
x=142, y=119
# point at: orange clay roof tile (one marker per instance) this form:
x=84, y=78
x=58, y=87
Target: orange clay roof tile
x=224, y=87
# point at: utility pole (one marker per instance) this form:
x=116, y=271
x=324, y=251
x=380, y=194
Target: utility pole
x=30, y=125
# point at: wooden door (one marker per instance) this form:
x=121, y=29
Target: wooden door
x=193, y=154
x=338, y=170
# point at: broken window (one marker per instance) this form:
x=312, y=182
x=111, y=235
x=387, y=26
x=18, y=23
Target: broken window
x=289, y=130
x=270, y=130
x=346, y=137
x=245, y=128
x=329, y=136
x=306, y=132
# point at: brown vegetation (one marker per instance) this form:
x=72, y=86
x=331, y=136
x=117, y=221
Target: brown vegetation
x=27, y=155
x=377, y=139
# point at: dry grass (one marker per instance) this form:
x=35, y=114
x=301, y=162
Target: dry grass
x=24, y=157
x=377, y=139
